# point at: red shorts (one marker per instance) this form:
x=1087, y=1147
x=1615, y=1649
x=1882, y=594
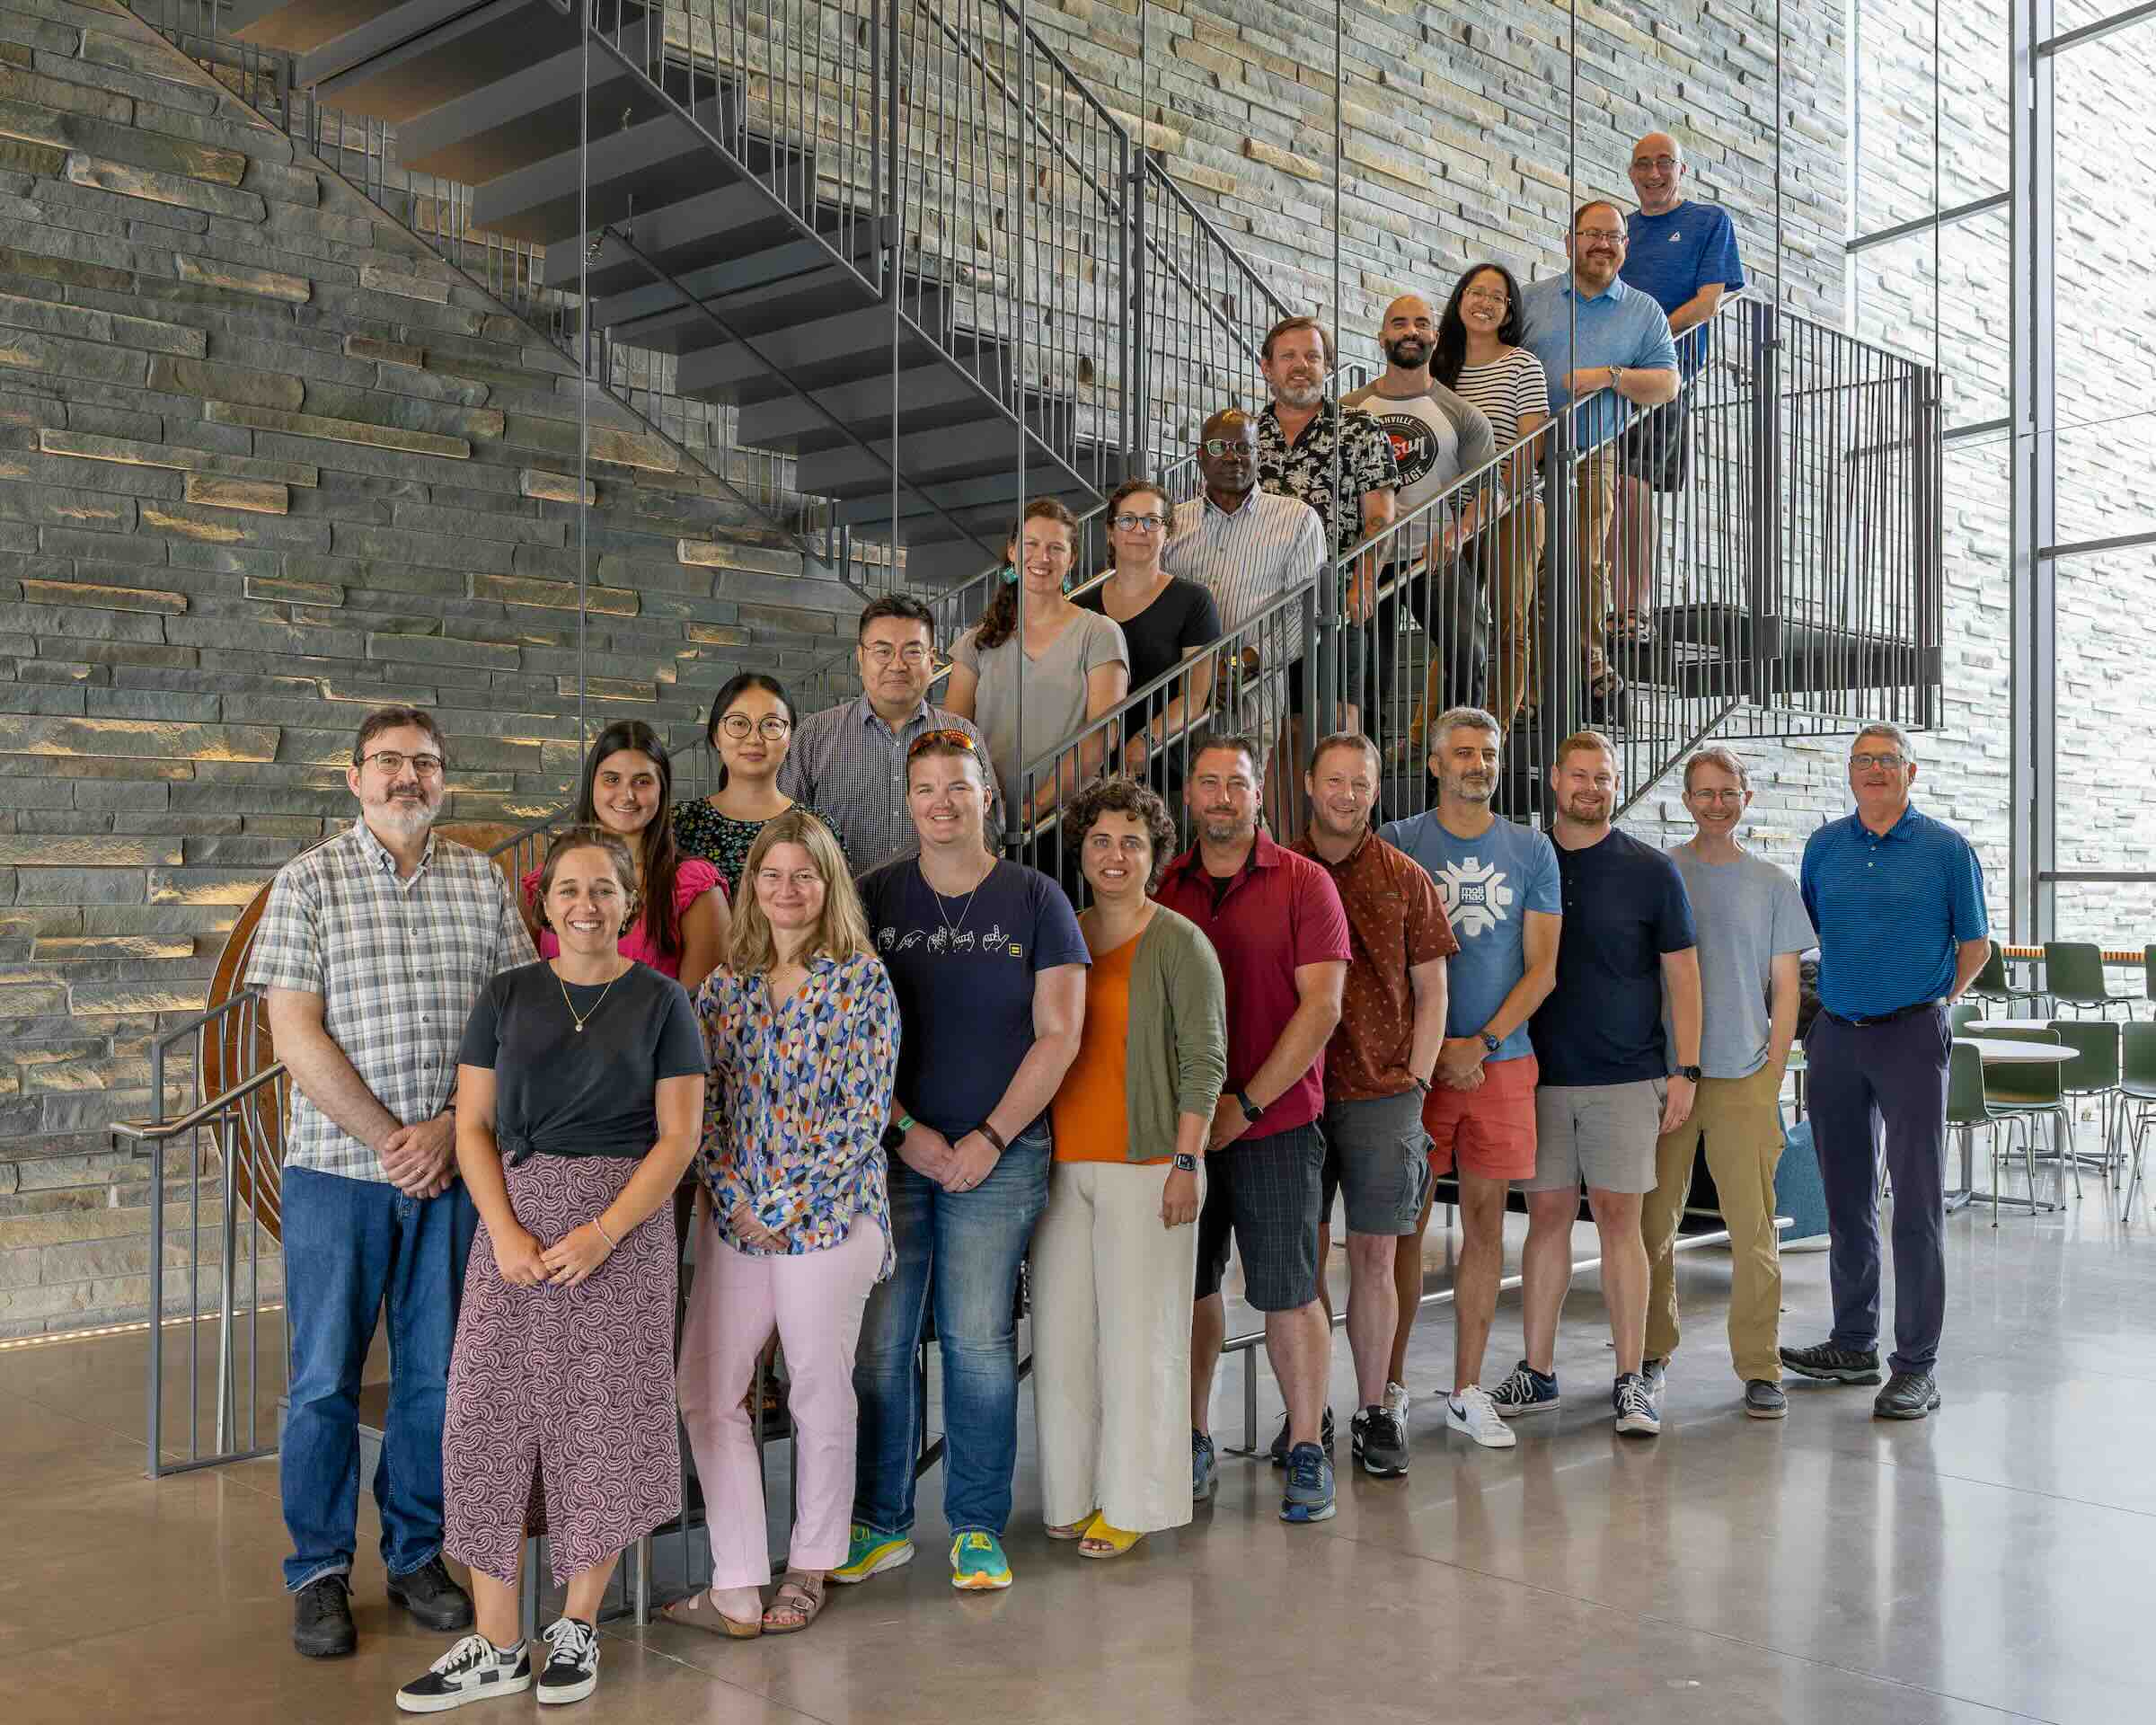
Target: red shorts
x=1488, y=1131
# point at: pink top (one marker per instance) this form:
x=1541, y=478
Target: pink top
x=693, y=878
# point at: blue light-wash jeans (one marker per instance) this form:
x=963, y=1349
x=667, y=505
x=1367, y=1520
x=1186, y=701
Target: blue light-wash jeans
x=963, y=1250
x=350, y=1247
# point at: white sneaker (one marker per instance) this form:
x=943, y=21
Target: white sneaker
x=1396, y=1400
x=474, y=1670
x=1472, y=1411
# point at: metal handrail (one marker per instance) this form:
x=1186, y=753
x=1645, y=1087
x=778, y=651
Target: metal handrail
x=157, y=1131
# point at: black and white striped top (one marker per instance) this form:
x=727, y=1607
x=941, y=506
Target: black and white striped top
x=1506, y=390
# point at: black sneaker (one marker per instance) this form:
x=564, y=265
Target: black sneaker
x=1637, y=1415
x=1908, y=1395
x=322, y=1619
x=572, y=1671
x=1833, y=1365
x=1379, y=1440
x=1527, y=1391
x=474, y=1670
x=434, y=1600
x=1279, y=1449
x=1765, y=1401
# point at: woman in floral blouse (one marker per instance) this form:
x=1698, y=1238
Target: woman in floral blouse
x=793, y=1219
x=751, y=728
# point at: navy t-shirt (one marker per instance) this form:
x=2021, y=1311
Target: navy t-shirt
x=963, y=971
x=1670, y=257
x=1625, y=906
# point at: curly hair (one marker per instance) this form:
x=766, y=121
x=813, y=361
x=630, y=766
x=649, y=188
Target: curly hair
x=1120, y=794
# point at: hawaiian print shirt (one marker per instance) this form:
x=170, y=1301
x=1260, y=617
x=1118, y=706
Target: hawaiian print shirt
x=1304, y=469
x=798, y=1097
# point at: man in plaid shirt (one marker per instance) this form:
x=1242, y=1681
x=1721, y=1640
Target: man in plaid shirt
x=373, y=948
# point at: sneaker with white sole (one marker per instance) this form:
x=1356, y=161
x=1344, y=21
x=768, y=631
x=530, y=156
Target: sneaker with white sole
x=572, y=1671
x=1637, y=1415
x=1527, y=1391
x=1396, y=1400
x=1473, y=1413
x=474, y=1670
x=871, y=1553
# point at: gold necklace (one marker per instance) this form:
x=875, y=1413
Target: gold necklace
x=596, y=1004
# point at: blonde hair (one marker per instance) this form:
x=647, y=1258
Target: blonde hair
x=840, y=933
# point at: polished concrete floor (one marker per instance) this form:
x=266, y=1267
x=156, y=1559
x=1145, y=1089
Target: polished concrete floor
x=1997, y=1561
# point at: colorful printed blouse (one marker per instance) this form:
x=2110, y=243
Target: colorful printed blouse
x=798, y=1097
x=693, y=878
x=723, y=841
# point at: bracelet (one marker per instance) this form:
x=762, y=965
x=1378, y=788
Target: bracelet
x=993, y=1136
x=608, y=1238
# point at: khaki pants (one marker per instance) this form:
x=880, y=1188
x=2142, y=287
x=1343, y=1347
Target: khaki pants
x=1594, y=503
x=1743, y=1128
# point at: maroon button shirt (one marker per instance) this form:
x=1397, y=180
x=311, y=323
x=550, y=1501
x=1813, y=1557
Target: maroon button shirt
x=1281, y=912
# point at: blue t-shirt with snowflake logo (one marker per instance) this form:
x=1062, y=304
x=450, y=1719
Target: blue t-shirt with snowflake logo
x=1487, y=885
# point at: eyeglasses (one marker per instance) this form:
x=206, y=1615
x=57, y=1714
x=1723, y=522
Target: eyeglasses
x=775, y=729
x=883, y=654
x=1716, y=796
x=390, y=762
x=1142, y=523
x=1488, y=296
x=1608, y=236
x=1227, y=447
x=1862, y=763
x=799, y=879
x=1664, y=163
x=945, y=738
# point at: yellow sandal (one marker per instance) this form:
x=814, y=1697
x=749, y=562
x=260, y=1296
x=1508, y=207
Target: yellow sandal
x=1116, y=1541
x=1075, y=1529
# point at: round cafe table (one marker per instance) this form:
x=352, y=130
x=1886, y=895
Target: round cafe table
x=2015, y=1024
x=2004, y=1051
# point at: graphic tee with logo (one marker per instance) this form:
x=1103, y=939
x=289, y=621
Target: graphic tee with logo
x=1489, y=884
x=1425, y=445
x=963, y=971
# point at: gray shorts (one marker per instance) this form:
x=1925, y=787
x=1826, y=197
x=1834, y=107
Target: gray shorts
x=1377, y=1154
x=1596, y=1134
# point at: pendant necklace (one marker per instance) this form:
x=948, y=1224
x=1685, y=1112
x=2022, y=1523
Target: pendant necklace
x=585, y=1018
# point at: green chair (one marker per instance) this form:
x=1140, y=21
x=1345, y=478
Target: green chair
x=2074, y=975
x=1969, y=1113
x=2137, y=1087
x=1962, y=1013
x=2033, y=1092
x=2095, y=1069
x=1992, y=984
x=2148, y=971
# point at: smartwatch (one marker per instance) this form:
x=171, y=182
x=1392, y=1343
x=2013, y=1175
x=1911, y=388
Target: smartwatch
x=893, y=1135
x=1491, y=1042
x=1250, y=1110
x=1689, y=1073
x=1185, y=1164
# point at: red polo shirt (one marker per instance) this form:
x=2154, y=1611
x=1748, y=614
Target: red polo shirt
x=1280, y=912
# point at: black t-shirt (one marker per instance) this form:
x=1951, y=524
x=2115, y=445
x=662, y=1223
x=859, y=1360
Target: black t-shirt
x=1625, y=906
x=563, y=1091
x=963, y=971
x=1182, y=618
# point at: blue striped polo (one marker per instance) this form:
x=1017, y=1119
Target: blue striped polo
x=1890, y=909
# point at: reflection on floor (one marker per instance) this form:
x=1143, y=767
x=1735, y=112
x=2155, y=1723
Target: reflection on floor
x=1989, y=1563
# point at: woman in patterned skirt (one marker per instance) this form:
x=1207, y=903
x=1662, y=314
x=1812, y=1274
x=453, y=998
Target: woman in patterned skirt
x=794, y=1220
x=579, y=1102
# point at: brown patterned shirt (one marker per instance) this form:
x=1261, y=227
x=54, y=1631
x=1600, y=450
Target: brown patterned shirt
x=1395, y=921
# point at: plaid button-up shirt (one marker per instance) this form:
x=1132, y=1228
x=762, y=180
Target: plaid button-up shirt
x=846, y=764
x=398, y=965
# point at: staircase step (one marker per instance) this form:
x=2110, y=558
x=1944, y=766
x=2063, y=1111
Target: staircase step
x=509, y=117
x=650, y=165
x=821, y=354
x=424, y=52
x=936, y=397
x=988, y=497
x=296, y=26
x=657, y=316
x=730, y=225
x=987, y=445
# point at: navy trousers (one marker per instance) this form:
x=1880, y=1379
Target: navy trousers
x=1862, y=1082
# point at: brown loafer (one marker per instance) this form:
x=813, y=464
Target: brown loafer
x=698, y=1611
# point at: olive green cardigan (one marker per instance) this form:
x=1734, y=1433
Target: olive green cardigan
x=1176, y=1056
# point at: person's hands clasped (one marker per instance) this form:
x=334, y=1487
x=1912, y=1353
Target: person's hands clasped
x=752, y=1232
x=517, y=1256
x=572, y=1258
x=421, y=1160
x=1179, y=1199
x=1228, y=1124
x=972, y=1158
x=1460, y=1063
x=927, y=1152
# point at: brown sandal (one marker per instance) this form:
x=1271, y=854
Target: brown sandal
x=799, y=1594
x=698, y=1611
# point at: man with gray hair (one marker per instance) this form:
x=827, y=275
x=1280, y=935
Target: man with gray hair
x=1750, y=919
x=1898, y=900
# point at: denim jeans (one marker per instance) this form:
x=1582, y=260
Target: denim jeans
x=963, y=1250
x=351, y=1245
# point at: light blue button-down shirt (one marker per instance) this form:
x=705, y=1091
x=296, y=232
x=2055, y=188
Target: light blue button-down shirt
x=1568, y=332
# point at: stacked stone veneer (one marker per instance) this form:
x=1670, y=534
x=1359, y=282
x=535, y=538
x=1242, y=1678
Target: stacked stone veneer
x=264, y=462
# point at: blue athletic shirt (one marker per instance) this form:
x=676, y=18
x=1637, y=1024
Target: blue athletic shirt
x=1670, y=257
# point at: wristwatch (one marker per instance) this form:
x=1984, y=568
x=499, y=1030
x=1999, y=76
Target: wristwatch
x=1250, y=1110
x=1185, y=1164
x=1689, y=1074
x=1491, y=1042
x=893, y=1135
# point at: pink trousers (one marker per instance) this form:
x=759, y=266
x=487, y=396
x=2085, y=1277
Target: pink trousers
x=816, y=1301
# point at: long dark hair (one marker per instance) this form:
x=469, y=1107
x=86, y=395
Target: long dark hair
x=1450, y=353
x=728, y=693
x=662, y=856
x=999, y=622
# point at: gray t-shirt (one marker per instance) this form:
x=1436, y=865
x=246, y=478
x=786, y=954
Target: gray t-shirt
x=1054, y=690
x=1747, y=913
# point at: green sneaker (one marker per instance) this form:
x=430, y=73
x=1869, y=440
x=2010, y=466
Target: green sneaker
x=870, y=1552
x=977, y=1562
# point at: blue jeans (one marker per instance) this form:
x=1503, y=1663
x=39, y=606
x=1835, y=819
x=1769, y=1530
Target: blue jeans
x=965, y=1249
x=350, y=1246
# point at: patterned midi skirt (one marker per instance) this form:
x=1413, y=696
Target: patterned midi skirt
x=561, y=1413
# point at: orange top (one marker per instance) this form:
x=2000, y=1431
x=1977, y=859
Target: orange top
x=1090, y=1113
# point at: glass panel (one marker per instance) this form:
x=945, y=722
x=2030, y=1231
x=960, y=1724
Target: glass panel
x=2106, y=819
x=1896, y=89
x=2104, y=169
x=1972, y=783
x=2072, y=14
x=1952, y=310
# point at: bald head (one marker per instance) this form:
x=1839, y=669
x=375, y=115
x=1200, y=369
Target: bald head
x=1657, y=172
x=1409, y=335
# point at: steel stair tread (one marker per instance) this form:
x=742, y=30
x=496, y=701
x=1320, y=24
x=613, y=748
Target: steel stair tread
x=296, y=26
x=755, y=294
x=817, y=354
x=426, y=52
x=943, y=397
x=729, y=225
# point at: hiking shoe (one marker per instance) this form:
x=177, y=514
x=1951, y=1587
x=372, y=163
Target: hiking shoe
x=1396, y=1400
x=1908, y=1395
x=1278, y=1452
x=1765, y=1401
x=1527, y=1391
x=1833, y=1365
x=572, y=1671
x=870, y=1552
x=1637, y=1415
x=1380, y=1440
x=1474, y=1412
x=978, y=1563
x=1205, y=1471
x=322, y=1618
x=434, y=1600
x=1308, y=1493
x=474, y=1670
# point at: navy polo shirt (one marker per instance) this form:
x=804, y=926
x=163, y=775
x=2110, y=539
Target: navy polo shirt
x=1891, y=909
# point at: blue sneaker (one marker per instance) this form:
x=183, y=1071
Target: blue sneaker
x=1527, y=1391
x=1205, y=1472
x=978, y=1562
x=870, y=1552
x=1309, y=1495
